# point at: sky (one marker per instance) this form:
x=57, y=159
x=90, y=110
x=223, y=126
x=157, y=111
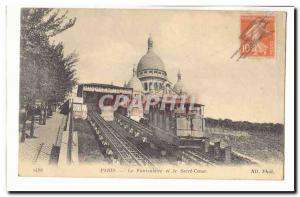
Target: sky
x=199, y=43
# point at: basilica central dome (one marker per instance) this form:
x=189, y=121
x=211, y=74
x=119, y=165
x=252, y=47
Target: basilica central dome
x=150, y=61
x=151, y=71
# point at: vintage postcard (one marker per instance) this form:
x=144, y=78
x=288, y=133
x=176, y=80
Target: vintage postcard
x=152, y=93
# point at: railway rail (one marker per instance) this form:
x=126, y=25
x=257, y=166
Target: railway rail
x=135, y=125
x=126, y=151
x=191, y=155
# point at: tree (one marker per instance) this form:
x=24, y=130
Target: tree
x=45, y=72
x=277, y=128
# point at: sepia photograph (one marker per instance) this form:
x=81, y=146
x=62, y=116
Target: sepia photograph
x=151, y=93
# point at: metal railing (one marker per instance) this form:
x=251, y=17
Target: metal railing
x=67, y=144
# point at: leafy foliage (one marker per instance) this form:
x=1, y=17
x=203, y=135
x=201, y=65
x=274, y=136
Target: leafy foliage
x=46, y=73
x=244, y=125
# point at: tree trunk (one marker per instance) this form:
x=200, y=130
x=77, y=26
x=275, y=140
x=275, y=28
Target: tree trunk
x=50, y=110
x=45, y=114
x=23, y=134
x=24, y=119
x=32, y=126
x=41, y=115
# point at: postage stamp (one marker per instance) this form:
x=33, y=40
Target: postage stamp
x=257, y=36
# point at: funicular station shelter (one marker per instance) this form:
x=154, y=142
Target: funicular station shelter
x=92, y=93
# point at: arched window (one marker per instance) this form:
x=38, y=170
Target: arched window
x=155, y=86
x=146, y=86
x=150, y=85
x=167, y=88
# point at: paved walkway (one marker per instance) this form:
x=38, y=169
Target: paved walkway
x=41, y=147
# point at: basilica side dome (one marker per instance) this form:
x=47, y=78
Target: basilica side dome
x=179, y=86
x=135, y=83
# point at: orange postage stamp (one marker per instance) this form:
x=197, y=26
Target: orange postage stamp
x=257, y=36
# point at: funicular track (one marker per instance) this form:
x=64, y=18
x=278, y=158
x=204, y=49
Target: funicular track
x=192, y=155
x=135, y=125
x=126, y=151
